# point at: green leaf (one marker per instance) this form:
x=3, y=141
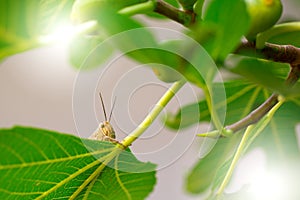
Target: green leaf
x=175, y=54
x=232, y=22
x=241, y=98
x=282, y=152
x=201, y=177
x=187, y=4
x=23, y=21
x=282, y=34
x=279, y=139
x=52, y=14
x=86, y=52
x=39, y=164
x=287, y=38
x=267, y=73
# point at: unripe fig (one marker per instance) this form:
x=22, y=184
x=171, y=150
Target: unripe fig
x=264, y=14
x=187, y=4
x=85, y=10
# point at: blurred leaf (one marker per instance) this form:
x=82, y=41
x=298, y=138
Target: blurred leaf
x=113, y=23
x=87, y=10
x=279, y=139
x=241, y=98
x=126, y=34
x=291, y=38
x=182, y=56
x=267, y=73
x=137, y=42
x=53, y=13
x=201, y=177
x=282, y=152
x=86, y=52
x=232, y=22
x=173, y=3
x=282, y=34
x=36, y=163
x=23, y=21
x=187, y=4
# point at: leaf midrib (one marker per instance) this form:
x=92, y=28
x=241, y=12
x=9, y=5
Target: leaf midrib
x=30, y=164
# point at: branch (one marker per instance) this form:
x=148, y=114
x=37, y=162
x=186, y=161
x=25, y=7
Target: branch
x=161, y=104
x=183, y=17
x=263, y=109
x=278, y=53
x=255, y=115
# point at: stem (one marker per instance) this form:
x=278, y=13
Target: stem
x=183, y=17
x=210, y=106
x=294, y=75
x=235, y=159
x=96, y=173
x=255, y=115
x=133, y=136
x=263, y=109
x=253, y=131
x=265, y=121
x=278, y=53
x=138, y=8
x=153, y=114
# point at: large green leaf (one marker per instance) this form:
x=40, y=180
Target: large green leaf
x=210, y=170
x=86, y=52
x=267, y=73
x=22, y=22
x=279, y=140
x=226, y=16
x=241, y=98
x=204, y=172
x=282, y=34
x=52, y=14
x=137, y=42
x=39, y=164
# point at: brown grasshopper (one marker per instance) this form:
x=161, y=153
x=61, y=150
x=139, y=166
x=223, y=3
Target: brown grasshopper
x=105, y=131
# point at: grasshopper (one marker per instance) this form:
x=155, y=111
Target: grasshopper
x=105, y=131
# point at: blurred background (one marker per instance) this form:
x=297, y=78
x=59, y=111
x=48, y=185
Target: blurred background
x=39, y=88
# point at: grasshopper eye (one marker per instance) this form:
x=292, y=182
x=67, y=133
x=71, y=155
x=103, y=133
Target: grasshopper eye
x=102, y=125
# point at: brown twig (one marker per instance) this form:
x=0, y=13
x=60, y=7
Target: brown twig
x=278, y=53
x=264, y=108
x=294, y=75
x=183, y=17
x=255, y=115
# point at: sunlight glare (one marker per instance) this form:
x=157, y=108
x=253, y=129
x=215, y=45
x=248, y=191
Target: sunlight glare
x=268, y=186
x=65, y=33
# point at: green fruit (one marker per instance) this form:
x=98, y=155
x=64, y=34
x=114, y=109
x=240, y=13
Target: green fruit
x=85, y=10
x=187, y=4
x=264, y=14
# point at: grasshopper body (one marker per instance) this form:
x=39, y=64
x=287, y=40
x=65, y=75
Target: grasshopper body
x=105, y=131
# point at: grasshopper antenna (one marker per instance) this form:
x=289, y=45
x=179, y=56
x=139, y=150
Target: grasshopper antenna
x=112, y=108
x=103, y=107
